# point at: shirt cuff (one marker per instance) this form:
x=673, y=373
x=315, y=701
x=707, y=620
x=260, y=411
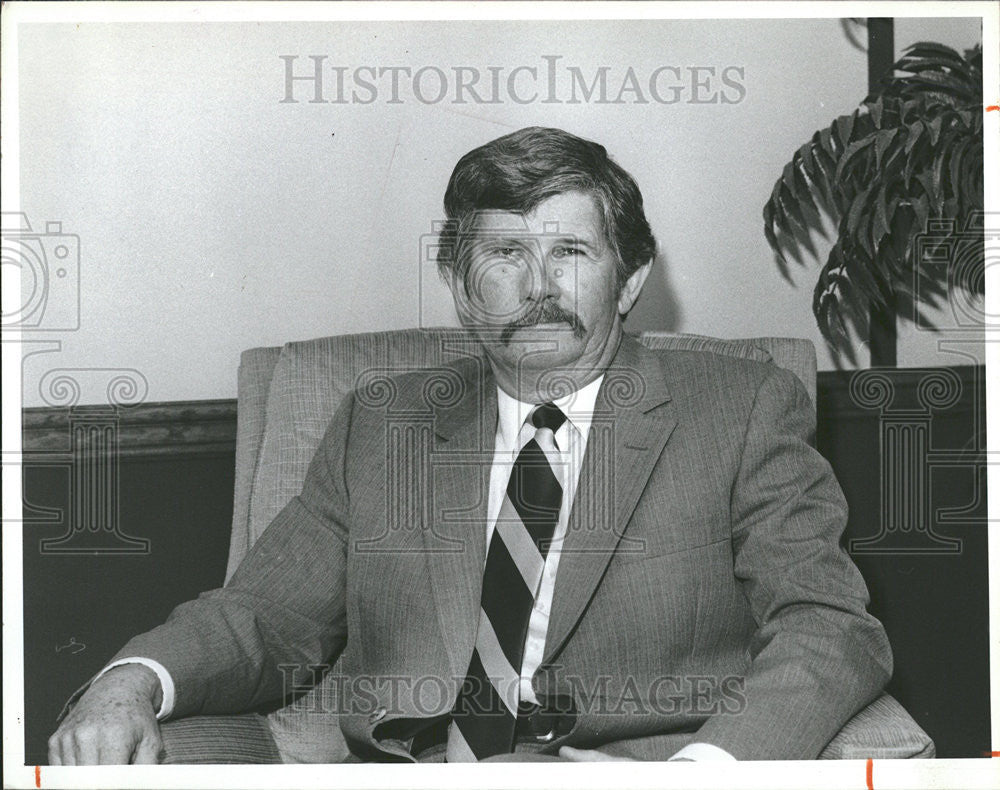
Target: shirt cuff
x=166, y=682
x=703, y=752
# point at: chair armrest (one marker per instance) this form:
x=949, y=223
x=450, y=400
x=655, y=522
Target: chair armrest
x=883, y=730
x=244, y=738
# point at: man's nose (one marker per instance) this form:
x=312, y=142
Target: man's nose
x=543, y=279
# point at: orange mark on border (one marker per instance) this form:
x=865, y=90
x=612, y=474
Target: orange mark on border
x=38, y=776
x=868, y=775
x=993, y=108
x=991, y=754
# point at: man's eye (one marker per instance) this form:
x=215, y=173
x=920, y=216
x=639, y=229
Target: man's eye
x=566, y=252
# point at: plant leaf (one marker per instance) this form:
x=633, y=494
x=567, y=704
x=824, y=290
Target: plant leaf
x=772, y=239
x=875, y=108
x=938, y=171
x=788, y=179
x=942, y=82
x=883, y=214
x=924, y=65
x=804, y=188
x=857, y=209
x=849, y=154
x=858, y=270
x=844, y=124
x=916, y=161
x=934, y=127
x=805, y=156
x=921, y=212
x=935, y=200
x=882, y=140
x=955, y=171
x=790, y=206
x=826, y=140
x=913, y=133
x=931, y=47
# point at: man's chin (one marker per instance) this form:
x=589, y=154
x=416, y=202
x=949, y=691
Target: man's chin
x=541, y=348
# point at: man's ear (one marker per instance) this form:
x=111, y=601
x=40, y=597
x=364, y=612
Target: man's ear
x=633, y=285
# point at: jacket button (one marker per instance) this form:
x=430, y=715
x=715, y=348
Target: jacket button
x=377, y=715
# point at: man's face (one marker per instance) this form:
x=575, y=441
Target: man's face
x=543, y=287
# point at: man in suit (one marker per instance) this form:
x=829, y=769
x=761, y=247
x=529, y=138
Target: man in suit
x=588, y=549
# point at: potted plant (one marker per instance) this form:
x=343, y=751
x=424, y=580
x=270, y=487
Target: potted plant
x=911, y=153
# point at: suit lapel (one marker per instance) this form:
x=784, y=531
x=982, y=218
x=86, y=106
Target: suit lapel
x=633, y=419
x=455, y=534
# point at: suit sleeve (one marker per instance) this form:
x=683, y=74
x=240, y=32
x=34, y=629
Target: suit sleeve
x=285, y=605
x=817, y=656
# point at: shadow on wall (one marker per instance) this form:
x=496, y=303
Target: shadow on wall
x=657, y=308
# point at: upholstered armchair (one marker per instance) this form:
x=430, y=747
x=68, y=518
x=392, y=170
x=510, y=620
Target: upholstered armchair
x=286, y=398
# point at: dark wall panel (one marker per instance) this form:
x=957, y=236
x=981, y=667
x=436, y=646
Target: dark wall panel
x=175, y=479
x=932, y=597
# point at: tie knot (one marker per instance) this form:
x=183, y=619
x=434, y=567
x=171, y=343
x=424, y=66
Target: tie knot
x=548, y=415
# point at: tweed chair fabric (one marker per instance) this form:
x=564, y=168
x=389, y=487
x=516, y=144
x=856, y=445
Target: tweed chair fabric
x=254, y=382
x=218, y=739
x=884, y=731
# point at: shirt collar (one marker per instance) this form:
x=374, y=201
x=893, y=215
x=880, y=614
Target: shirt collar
x=578, y=407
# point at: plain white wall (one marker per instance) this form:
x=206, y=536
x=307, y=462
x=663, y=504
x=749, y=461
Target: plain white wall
x=213, y=218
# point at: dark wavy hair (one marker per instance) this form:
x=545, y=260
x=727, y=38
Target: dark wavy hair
x=518, y=171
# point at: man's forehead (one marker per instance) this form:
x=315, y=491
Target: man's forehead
x=572, y=213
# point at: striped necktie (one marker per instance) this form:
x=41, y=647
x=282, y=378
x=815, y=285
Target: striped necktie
x=485, y=715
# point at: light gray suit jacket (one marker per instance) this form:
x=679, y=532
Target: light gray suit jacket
x=702, y=593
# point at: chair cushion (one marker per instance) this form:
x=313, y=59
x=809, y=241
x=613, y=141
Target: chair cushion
x=218, y=739
x=255, y=374
x=881, y=731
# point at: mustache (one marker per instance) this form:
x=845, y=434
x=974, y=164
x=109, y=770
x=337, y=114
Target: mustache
x=546, y=313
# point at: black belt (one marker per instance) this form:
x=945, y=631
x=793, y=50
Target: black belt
x=535, y=725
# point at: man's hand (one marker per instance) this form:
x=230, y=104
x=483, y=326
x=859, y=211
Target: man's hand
x=113, y=723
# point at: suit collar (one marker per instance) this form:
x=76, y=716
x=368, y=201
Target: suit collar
x=468, y=402
x=635, y=366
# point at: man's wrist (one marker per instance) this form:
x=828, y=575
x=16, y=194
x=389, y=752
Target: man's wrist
x=153, y=679
x=143, y=677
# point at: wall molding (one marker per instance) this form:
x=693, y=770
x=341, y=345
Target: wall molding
x=146, y=430
x=208, y=427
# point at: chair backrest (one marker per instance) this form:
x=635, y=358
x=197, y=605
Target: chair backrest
x=288, y=395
